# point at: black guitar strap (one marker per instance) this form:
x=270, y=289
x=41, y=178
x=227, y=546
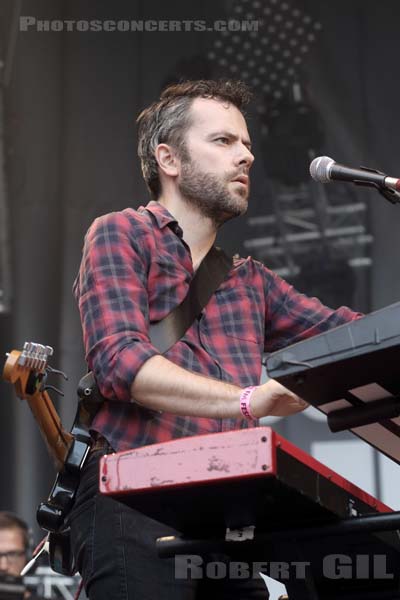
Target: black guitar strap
x=212, y=271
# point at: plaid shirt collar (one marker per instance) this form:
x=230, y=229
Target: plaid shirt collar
x=162, y=216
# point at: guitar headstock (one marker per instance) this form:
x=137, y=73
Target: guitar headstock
x=22, y=367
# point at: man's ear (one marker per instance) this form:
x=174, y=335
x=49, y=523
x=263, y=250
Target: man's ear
x=167, y=159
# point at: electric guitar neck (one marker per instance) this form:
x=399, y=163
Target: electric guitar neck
x=27, y=371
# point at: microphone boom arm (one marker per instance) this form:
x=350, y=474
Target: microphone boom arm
x=391, y=195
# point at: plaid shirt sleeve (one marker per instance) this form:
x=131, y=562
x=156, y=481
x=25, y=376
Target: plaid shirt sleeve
x=292, y=316
x=111, y=290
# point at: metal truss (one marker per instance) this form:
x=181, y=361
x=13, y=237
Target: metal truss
x=53, y=585
x=305, y=221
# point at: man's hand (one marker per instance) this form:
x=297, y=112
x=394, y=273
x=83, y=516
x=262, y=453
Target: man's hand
x=272, y=399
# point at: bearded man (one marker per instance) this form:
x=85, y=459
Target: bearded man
x=137, y=266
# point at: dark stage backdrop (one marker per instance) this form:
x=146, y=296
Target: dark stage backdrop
x=71, y=156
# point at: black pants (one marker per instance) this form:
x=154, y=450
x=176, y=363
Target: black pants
x=114, y=547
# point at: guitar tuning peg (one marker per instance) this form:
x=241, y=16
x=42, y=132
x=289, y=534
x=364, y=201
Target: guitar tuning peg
x=50, y=369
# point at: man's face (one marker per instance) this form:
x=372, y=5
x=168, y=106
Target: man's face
x=12, y=551
x=214, y=173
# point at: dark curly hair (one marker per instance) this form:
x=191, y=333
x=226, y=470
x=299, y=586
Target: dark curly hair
x=167, y=120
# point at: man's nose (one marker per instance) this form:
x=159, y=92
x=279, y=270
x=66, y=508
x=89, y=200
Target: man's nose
x=245, y=157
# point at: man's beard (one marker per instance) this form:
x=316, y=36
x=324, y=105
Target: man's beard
x=210, y=194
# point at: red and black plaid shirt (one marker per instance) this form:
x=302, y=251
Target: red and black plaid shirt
x=135, y=269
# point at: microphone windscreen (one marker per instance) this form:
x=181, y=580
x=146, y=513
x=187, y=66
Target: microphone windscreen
x=320, y=169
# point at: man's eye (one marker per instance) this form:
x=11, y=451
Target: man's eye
x=222, y=139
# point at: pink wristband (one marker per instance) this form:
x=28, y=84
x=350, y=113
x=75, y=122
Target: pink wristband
x=245, y=398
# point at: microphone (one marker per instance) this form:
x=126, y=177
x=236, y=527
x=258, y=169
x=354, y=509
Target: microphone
x=324, y=170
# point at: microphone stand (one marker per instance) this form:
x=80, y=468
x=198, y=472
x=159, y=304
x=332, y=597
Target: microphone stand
x=387, y=193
